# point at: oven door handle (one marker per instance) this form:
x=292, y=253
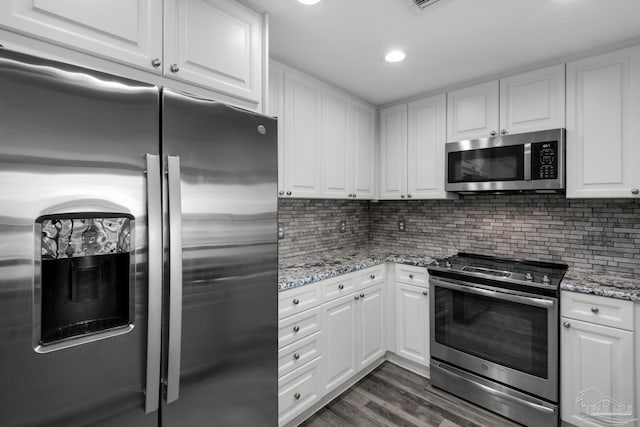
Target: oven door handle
x=538, y=302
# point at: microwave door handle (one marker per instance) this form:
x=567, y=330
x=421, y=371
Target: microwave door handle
x=527, y=162
x=537, y=302
x=175, y=278
x=154, y=280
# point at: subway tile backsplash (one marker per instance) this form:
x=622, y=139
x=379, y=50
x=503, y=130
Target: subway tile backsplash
x=602, y=235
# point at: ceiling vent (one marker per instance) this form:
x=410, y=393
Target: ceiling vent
x=420, y=5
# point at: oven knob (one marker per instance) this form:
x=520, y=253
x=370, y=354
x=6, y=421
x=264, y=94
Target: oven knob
x=447, y=264
x=545, y=279
x=528, y=277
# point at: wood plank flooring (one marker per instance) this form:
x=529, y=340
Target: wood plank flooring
x=391, y=396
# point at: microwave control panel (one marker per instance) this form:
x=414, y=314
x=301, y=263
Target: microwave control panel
x=544, y=160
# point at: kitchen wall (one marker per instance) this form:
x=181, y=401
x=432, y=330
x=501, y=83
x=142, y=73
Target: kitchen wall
x=597, y=234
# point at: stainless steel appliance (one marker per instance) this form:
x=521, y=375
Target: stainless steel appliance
x=138, y=257
x=494, y=334
x=526, y=162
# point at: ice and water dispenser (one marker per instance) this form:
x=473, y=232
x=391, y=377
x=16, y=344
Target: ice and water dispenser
x=86, y=275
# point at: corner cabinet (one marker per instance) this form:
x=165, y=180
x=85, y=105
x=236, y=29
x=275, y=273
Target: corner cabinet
x=603, y=129
x=412, y=145
x=522, y=103
x=214, y=44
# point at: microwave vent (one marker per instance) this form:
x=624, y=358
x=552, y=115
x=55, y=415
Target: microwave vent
x=420, y=5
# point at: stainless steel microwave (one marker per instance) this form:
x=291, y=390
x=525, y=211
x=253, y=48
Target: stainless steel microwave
x=526, y=162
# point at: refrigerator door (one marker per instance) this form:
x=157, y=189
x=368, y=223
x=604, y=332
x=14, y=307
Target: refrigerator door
x=73, y=245
x=223, y=370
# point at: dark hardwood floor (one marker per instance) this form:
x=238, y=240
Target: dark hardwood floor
x=391, y=396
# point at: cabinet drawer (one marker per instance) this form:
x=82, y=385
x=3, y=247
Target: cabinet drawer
x=298, y=299
x=336, y=287
x=411, y=275
x=299, y=326
x=299, y=390
x=300, y=352
x=596, y=309
x=370, y=276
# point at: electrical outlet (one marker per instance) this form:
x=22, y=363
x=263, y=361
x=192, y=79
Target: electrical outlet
x=401, y=225
x=280, y=231
x=342, y=226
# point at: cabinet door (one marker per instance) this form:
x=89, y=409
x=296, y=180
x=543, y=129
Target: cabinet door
x=603, y=130
x=533, y=101
x=126, y=31
x=412, y=323
x=215, y=44
x=363, y=160
x=370, y=327
x=302, y=136
x=275, y=108
x=340, y=322
x=336, y=146
x=597, y=366
x=472, y=112
x=393, y=152
x=425, y=148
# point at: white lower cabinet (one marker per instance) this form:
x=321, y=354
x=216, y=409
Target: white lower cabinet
x=299, y=390
x=370, y=326
x=412, y=323
x=597, y=367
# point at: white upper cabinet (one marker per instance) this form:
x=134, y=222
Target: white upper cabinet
x=128, y=31
x=393, y=152
x=302, y=136
x=533, y=101
x=336, y=144
x=523, y=103
x=275, y=108
x=216, y=44
x=213, y=44
x=472, y=112
x=603, y=125
x=363, y=159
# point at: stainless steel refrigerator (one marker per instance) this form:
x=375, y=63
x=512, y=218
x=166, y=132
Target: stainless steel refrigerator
x=138, y=253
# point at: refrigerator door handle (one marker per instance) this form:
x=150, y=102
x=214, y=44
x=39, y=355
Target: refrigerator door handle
x=154, y=315
x=175, y=278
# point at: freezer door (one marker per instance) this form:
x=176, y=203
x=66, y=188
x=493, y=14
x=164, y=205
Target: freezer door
x=73, y=244
x=225, y=160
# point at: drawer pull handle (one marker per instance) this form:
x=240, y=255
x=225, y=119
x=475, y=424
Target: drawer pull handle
x=373, y=276
x=297, y=396
x=296, y=301
x=566, y=324
x=296, y=356
x=296, y=328
x=595, y=310
x=340, y=286
x=411, y=276
x=425, y=293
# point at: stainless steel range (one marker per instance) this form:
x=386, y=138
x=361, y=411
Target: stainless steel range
x=494, y=334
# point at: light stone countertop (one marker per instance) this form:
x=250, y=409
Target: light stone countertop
x=302, y=270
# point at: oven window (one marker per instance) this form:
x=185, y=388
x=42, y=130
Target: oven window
x=488, y=164
x=507, y=333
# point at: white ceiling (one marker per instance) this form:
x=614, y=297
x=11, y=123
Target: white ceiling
x=343, y=42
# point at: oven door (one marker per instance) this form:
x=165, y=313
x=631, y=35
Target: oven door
x=508, y=336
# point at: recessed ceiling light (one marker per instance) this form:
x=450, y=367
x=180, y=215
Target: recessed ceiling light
x=395, y=56
x=309, y=2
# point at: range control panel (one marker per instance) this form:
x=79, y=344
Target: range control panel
x=544, y=160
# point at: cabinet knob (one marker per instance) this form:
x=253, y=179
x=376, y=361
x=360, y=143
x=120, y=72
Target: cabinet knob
x=288, y=193
x=402, y=196
x=296, y=328
x=493, y=133
x=635, y=191
x=373, y=276
x=281, y=193
x=156, y=62
x=425, y=293
x=296, y=356
x=174, y=68
x=503, y=131
x=595, y=310
x=566, y=324
x=355, y=195
x=357, y=297
x=340, y=286
x=296, y=301
x=411, y=276
x=362, y=295
x=297, y=396
x=408, y=196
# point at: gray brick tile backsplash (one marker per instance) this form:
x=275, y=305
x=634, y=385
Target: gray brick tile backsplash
x=599, y=234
